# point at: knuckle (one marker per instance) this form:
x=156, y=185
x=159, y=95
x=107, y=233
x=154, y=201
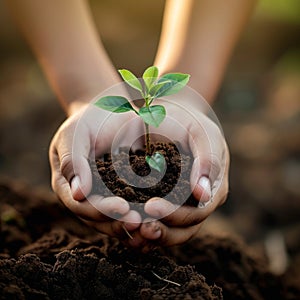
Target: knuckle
x=190, y=219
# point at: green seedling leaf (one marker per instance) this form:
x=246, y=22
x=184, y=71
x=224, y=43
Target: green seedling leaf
x=156, y=162
x=117, y=104
x=153, y=115
x=150, y=89
x=177, y=82
x=155, y=88
x=131, y=79
x=149, y=76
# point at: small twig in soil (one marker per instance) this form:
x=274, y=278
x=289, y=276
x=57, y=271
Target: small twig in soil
x=166, y=280
x=164, y=287
x=129, y=235
x=131, y=265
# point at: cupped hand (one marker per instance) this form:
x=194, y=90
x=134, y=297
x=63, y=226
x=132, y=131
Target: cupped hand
x=69, y=151
x=170, y=224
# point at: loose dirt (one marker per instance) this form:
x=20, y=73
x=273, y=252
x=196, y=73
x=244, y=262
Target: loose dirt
x=46, y=253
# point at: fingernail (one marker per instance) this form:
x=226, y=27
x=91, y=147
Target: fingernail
x=156, y=233
x=154, y=228
x=75, y=183
x=204, y=183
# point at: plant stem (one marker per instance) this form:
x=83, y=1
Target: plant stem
x=147, y=130
x=147, y=139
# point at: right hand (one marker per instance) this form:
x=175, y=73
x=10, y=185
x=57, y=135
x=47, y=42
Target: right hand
x=71, y=173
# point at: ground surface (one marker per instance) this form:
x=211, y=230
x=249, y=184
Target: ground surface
x=45, y=253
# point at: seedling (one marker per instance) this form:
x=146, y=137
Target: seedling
x=151, y=87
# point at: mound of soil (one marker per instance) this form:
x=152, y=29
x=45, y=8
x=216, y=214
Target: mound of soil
x=46, y=253
x=119, y=175
x=95, y=272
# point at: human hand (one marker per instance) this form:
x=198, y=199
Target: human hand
x=169, y=224
x=71, y=174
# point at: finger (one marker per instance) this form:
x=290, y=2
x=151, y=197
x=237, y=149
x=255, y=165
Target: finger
x=152, y=229
x=96, y=208
x=131, y=220
x=169, y=235
x=118, y=228
x=173, y=215
x=112, y=207
x=112, y=228
x=141, y=243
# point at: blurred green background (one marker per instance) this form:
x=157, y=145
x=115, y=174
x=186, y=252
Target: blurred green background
x=258, y=106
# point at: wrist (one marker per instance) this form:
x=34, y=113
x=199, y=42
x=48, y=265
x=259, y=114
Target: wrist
x=76, y=106
x=74, y=92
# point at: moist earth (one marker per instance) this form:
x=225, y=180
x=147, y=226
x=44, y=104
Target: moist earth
x=127, y=175
x=46, y=253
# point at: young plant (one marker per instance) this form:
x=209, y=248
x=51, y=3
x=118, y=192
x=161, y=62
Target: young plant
x=151, y=87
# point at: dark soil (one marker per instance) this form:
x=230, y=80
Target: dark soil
x=46, y=253
x=119, y=176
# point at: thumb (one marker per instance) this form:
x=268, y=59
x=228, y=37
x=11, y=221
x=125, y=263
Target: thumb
x=205, y=170
x=76, y=170
x=73, y=147
x=81, y=183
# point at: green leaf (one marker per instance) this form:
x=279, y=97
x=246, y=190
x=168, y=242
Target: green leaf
x=149, y=76
x=178, y=81
x=155, y=88
x=156, y=162
x=116, y=104
x=153, y=115
x=131, y=79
